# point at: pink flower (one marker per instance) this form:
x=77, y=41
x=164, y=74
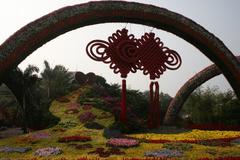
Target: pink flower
x=74, y=138
x=122, y=142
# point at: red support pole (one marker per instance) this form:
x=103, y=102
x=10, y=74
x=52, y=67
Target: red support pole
x=151, y=106
x=157, y=106
x=123, y=103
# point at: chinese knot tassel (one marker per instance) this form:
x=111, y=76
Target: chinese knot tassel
x=123, y=102
x=154, y=109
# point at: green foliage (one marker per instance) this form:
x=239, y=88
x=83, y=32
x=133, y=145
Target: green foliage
x=137, y=102
x=93, y=95
x=80, y=77
x=56, y=81
x=101, y=81
x=67, y=124
x=93, y=125
x=212, y=106
x=178, y=146
x=91, y=78
x=114, y=90
x=94, y=91
x=165, y=100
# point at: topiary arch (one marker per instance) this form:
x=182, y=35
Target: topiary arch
x=32, y=36
x=185, y=91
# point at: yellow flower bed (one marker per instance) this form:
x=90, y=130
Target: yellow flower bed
x=192, y=135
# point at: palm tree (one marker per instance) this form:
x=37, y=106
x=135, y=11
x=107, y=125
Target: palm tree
x=47, y=76
x=28, y=81
x=57, y=80
x=21, y=84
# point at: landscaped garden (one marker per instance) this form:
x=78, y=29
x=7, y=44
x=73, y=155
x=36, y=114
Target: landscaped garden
x=61, y=115
x=85, y=132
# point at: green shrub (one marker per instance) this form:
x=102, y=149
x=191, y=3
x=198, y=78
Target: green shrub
x=93, y=125
x=67, y=124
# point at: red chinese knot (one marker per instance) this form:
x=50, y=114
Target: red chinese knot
x=127, y=54
x=154, y=57
x=120, y=51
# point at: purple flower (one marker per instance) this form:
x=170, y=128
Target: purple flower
x=8, y=149
x=164, y=153
x=43, y=152
x=87, y=117
x=40, y=135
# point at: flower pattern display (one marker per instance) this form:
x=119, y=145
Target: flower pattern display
x=122, y=142
x=81, y=142
x=43, y=152
x=87, y=117
x=74, y=139
x=9, y=149
x=164, y=153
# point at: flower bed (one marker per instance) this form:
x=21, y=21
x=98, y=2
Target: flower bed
x=87, y=107
x=73, y=106
x=93, y=125
x=68, y=124
x=104, y=115
x=220, y=127
x=87, y=117
x=101, y=152
x=236, y=141
x=122, y=142
x=210, y=142
x=58, y=130
x=8, y=149
x=71, y=111
x=43, y=152
x=194, y=135
x=40, y=135
x=221, y=158
x=178, y=146
x=164, y=153
x=27, y=140
x=74, y=139
x=83, y=146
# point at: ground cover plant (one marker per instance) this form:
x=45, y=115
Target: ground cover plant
x=93, y=138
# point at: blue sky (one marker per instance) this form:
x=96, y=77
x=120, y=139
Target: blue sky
x=220, y=17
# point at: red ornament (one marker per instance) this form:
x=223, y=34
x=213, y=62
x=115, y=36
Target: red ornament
x=154, y=60
x=126, y=54
x=120, y=52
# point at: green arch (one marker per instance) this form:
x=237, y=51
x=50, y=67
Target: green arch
x=32, y=36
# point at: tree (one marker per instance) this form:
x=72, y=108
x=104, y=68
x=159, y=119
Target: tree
x=80, y=77
x=91, y=78
x=209, y=106
x=56, y=81
x=24, y=82
x=47, y=76
x=185, y=91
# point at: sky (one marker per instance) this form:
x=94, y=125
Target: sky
x=220, y=17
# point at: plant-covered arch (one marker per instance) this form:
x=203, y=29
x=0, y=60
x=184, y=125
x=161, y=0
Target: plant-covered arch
x=32, y=36
x=185, y=91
